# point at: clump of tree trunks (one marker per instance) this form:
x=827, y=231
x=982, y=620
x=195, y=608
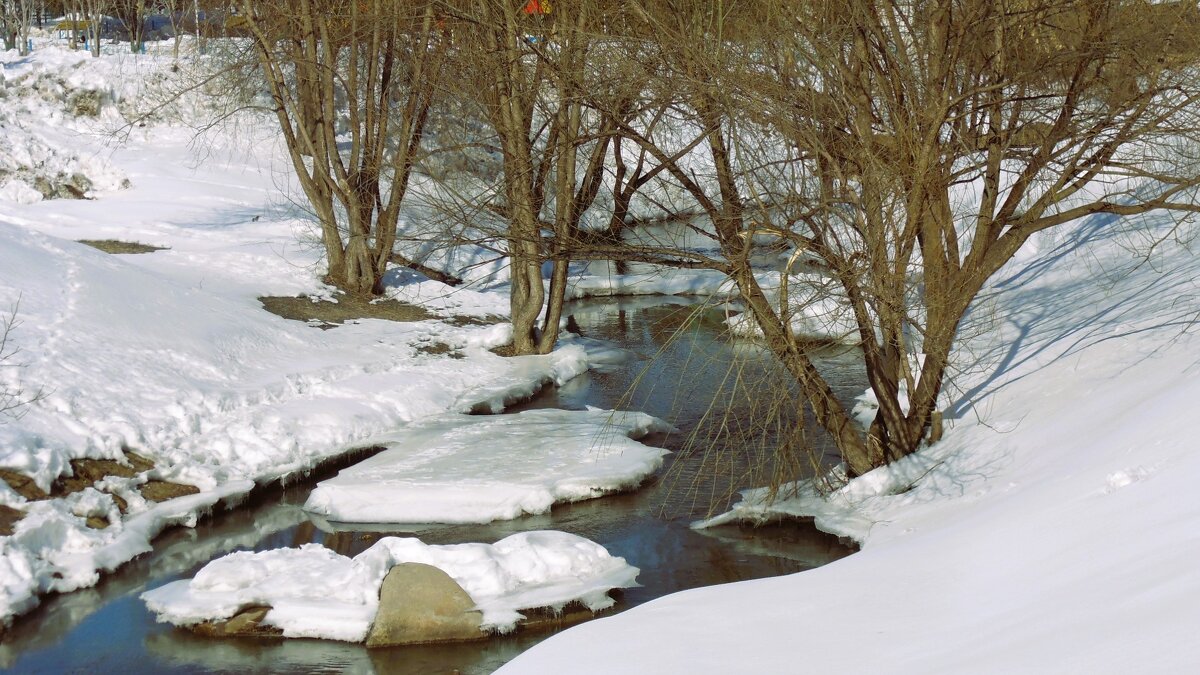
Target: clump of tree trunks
x=370, y=68
x=844, y=132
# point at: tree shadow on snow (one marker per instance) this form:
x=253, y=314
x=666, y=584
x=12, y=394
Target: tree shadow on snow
x=1140, y=294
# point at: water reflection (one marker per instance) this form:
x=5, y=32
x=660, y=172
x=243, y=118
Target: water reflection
x=108, y=629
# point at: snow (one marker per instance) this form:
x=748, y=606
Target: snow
x=45, y=102
x=597, y=281
x=814, y=306
x=314, y=592
x=50, y=551
x=1053, y=529
x=469, y=469
x=170, y=354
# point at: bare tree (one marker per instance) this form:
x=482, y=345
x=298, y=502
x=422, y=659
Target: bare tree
x=90, y=13
x=132, y=14
x=531, y=73
x=173, y=9
x=352, y=83
x=908, y=149
x=182, y=15
x=16, y=17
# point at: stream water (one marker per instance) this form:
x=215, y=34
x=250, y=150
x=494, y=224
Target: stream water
x=674, y=359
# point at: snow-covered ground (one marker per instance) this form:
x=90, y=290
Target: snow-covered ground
x=314, y=592
x=468, y=469
x=170, y=354
x=1055, y=529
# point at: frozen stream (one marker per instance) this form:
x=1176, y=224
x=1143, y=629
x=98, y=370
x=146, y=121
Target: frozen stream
x=106, y=628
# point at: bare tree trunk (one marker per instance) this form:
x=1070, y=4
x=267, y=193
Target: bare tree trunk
x=173, y=8
x=847, y=129
x=95, y=19
x=16, y=17
x=530, y=92
x=378, y=68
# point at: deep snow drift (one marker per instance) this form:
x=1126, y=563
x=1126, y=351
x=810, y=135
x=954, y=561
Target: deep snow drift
x=1056, y=528
x=471, y=469
x=316, y=593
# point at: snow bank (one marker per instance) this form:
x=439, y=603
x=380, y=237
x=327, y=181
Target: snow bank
x=46, y=104
x=597, y=281
x=464, y=469
x=815, y=303
x=314, y=592
x=170, y=353
x=821, y=317
x=1056, y=528
x=523, y=376
x=215, y=390
x=51, y=550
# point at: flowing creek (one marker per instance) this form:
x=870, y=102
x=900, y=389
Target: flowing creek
x=667, y=372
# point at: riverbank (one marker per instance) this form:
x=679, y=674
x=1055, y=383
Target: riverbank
x=1054, y=529
x=101, y=628
x=170, y=354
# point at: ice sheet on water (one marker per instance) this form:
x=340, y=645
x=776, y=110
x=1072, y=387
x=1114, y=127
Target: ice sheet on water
x=476, y=469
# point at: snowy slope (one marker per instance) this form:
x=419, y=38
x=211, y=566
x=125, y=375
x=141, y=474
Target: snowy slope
x=1056, y=528
x=205, y=377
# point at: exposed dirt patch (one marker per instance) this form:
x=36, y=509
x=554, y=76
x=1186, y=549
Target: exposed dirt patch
x=161, y=491
x=88, y=472
x=504, y=350
x=8, y=519
x=116, y=246
x=462, y=321
x=329, y=314
x=439, y=349
x=23, y=485
x=97, y=523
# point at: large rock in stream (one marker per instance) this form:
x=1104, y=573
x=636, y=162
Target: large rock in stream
x=419, y=604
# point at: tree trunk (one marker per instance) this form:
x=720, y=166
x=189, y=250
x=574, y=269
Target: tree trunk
x=859, y=455
x=554, y=304
x=135, y=31
x=527, y=296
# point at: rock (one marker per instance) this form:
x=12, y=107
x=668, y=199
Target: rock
x=74, y=186
x=86, y=103
x=8, y=519
x=421, y=604
x=161, y=490
x=244, y=623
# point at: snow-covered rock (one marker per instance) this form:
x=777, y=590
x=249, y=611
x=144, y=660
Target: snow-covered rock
x=314, y=592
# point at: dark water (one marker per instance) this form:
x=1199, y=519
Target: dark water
x=665, y=371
